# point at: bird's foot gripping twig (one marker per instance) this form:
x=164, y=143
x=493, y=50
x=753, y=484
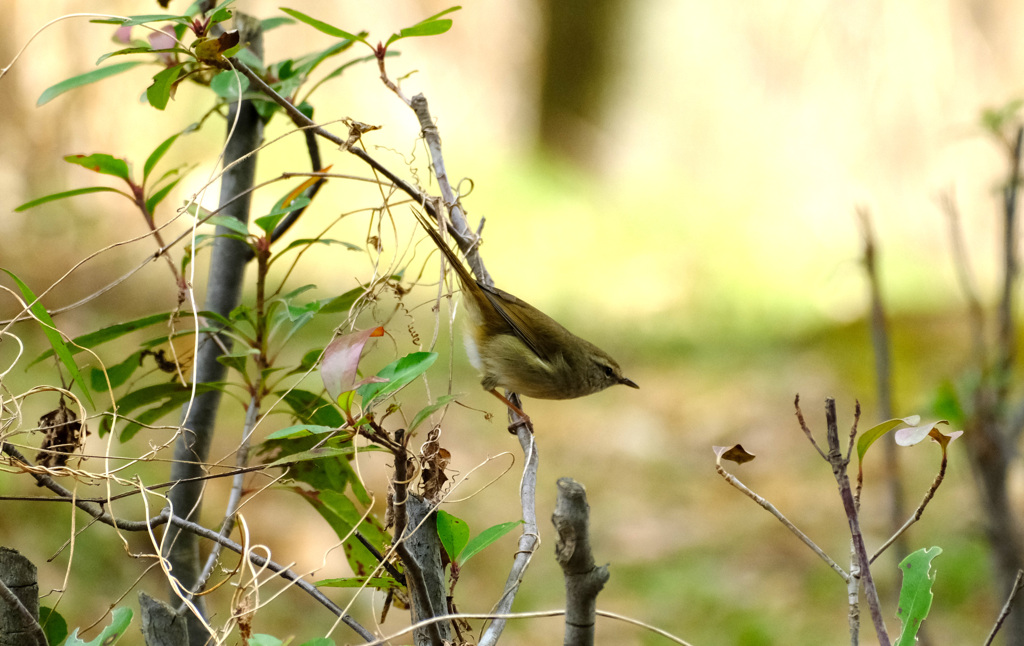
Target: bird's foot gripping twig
x=514, y=406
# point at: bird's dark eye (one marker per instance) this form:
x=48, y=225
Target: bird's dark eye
x=608, y=372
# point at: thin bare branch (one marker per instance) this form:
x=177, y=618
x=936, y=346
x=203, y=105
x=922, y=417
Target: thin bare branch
x=917, y=512
x=770, y=508
x=1018, y=584
x=805, y=429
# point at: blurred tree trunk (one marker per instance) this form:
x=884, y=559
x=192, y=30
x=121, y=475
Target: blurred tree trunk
x=577, y=74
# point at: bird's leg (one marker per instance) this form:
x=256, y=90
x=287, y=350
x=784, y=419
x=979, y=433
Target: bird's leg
x=516, y=409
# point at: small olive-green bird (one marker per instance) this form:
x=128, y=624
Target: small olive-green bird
x=517, y=347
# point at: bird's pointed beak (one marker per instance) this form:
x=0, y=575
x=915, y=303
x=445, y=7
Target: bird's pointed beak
x=628, y=382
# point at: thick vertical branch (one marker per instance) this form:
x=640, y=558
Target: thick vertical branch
x=584, y=579
x=224, y=287
x=990, y=436
x=1007, y=328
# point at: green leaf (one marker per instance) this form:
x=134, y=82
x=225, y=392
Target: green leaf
x=330, y=30
x=142, y=49
x=53, y=336
x=159, y=91
x=238, y=359
x=304, y=66
x=344, y=302
x=54, y=626
x=54, y=91
x=220, y=15
x=117, y=374
x=300, y=430
x=365, y=59
x=264, y=640
x=382, y=583
x=270, y=220
x=228, y=222
x=485, y=538
x=321, y=453
x=320, y=641
x=428, y=27
x=111, y=332
x=61, y=196
x=305, y=242
x=327, y=472
x=398, y=373
x=442, y=13
x=915, y=593
x=252, y=60
x=343, y=516
x=425, y=413
x=868, y=437
x=311, y=408
x=156, y=198
x=275, y=22
x=101, y=163
x=119, y=622
x=157, y=155
x=453, y=532
x=226, y=84
x=308, y=362
x=144, y=18
x=169, y=394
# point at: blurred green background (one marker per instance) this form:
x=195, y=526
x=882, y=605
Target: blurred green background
x=692, y=211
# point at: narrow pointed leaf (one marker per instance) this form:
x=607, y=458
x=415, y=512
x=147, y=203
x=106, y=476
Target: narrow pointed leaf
x=111, y=332
x=270, y=220
x=300, y=430
x=228, y=222
x=485, y=538
x=52, y=335
x=61, y=196
x=319, y=25
x=157, y=155
x=54, y=91
x=116, y=374
x=153, y=200
x=143, y=19
x=314, y=454
x=868, y=437
x=431, y=26
x=381, y=583
x=425, y=413
x=275, y=22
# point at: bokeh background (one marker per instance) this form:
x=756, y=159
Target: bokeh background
x=689, y=205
